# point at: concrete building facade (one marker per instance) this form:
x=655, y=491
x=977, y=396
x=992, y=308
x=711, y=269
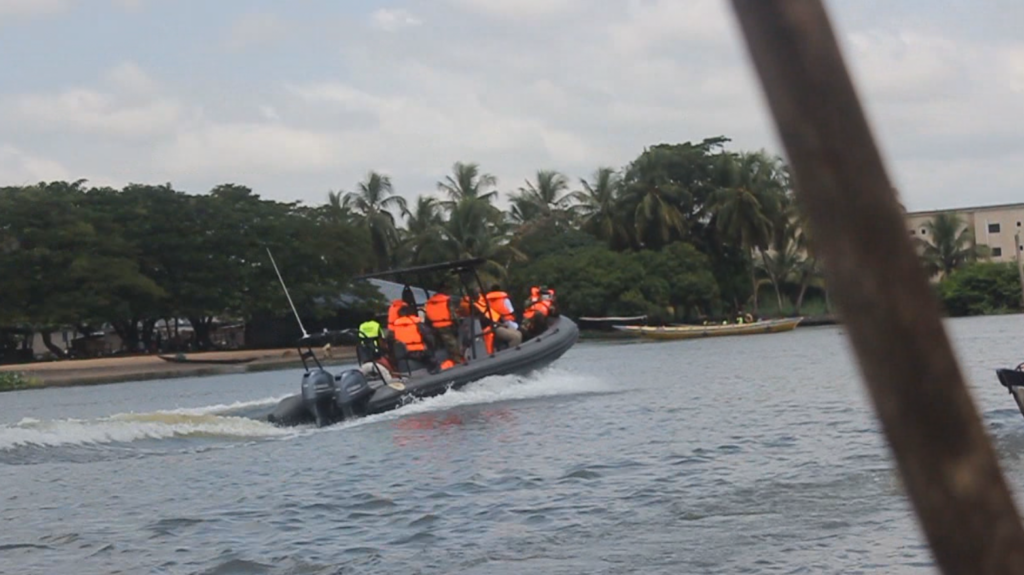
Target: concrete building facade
x=993, y=226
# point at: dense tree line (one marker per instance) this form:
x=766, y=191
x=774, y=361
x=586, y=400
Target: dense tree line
x=968, y=284
x=684, y=231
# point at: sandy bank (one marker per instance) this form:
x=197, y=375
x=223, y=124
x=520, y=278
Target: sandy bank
x=140, y=367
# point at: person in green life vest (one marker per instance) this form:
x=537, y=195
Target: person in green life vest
x=370, y=337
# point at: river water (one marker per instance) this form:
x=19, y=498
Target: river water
x=732, y=455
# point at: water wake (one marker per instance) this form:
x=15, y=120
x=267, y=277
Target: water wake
x=549, y=382
x=203, y=422
x=226, y=422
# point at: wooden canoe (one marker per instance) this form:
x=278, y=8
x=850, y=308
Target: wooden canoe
x=210, y=361
x=698, y=331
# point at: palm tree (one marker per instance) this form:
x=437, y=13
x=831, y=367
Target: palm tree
x=372, y=203
x=467, y=183
x=951, y=246
x=472, y=232
x=423, y=238
x=653, y=203
x=749, y=208
x=597, y=205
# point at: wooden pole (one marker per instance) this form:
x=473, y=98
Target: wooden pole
x=880, y=289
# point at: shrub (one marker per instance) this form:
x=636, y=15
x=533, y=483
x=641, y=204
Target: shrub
x=14, y=380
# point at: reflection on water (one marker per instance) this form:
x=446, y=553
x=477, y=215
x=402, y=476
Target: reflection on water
x=753, y=454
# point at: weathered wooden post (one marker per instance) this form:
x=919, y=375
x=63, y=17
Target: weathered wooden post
x=881, y=291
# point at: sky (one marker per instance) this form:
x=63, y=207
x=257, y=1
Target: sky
x=297, y=99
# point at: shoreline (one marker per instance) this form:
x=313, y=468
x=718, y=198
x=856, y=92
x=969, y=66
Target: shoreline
x=109, y=370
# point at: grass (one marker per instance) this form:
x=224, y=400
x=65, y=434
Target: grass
x=11, y=380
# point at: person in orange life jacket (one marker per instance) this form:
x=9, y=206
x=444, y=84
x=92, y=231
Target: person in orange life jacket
x=394, y=311
x=547, y=295
x=497, y=306
x=409, y=331
x=440, y=317
x=535, y=318
x=500, y=302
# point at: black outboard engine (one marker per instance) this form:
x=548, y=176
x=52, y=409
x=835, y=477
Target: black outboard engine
x=333, y=398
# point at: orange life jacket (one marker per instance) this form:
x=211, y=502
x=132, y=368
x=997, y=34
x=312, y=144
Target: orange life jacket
x=538, y=307
x=489, y=312
x=534, y=293
x=437, y=310
x=407, y=331
x=488, y=331
x=498, y=300
x=396, y=306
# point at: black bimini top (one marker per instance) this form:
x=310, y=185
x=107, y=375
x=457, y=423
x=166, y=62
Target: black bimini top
x=453, y=266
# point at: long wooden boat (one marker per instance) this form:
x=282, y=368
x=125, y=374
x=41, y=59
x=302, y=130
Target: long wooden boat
x=698, y=331
x=607, y=323
x=211, y=361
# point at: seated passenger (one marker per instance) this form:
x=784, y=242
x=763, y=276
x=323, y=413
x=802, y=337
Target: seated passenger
x=535, y=319
x=409, y=331
x=500, y=319
x=439, y=316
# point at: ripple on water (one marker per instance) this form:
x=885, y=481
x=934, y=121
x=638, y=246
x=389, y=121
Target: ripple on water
x=638, y=458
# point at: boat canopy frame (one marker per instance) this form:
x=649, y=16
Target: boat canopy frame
x=462, y=269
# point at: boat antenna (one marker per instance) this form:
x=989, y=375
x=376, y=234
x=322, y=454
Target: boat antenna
x=287, y=295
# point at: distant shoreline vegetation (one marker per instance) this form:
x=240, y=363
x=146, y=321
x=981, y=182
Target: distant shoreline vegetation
x=682, y=233
x=11, y=380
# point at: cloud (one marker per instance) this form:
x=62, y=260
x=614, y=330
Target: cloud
x=516, y=86
x=14, y=8
x=255, y=29
x=519, y=9
x=130, y=5
x=18, y=167
x=130, y=78
x=94, y=112
x=392, y=20
x=239, y=150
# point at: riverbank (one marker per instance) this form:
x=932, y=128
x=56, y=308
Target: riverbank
x=106, y=370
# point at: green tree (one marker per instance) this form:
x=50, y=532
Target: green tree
x=373, y=202
x=597, y=205
x=466, y=182
x=981, y=288
x=950, y=245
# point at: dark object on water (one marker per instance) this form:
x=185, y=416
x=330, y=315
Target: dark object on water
x=327, y=398
x=1013, y=381
x=180, y=358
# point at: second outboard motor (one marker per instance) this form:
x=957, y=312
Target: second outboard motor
x=335, y=398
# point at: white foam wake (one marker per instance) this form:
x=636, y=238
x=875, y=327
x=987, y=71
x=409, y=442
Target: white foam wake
x=129, y=427
x=215, y=421
x=546, y=383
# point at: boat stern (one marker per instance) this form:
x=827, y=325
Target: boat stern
x=1013, y=381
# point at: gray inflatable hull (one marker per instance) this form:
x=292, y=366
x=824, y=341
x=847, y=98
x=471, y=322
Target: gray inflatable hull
x=530, y=356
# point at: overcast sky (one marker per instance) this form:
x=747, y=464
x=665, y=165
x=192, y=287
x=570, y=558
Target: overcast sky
x=300, y=98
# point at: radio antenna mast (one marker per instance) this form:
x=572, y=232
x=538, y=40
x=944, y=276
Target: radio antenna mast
x=287, y=295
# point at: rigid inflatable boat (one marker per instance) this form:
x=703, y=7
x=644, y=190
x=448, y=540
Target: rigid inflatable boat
x=327, y=398
x=1013, y=381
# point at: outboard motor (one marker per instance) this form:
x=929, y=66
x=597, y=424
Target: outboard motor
x=335, y=398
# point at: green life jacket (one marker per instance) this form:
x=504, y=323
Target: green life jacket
x=369, y=329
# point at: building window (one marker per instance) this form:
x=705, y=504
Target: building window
x=923, y=231
x=913, y=232
x=996, y=252
x=1018, y=224
x=993, y=228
